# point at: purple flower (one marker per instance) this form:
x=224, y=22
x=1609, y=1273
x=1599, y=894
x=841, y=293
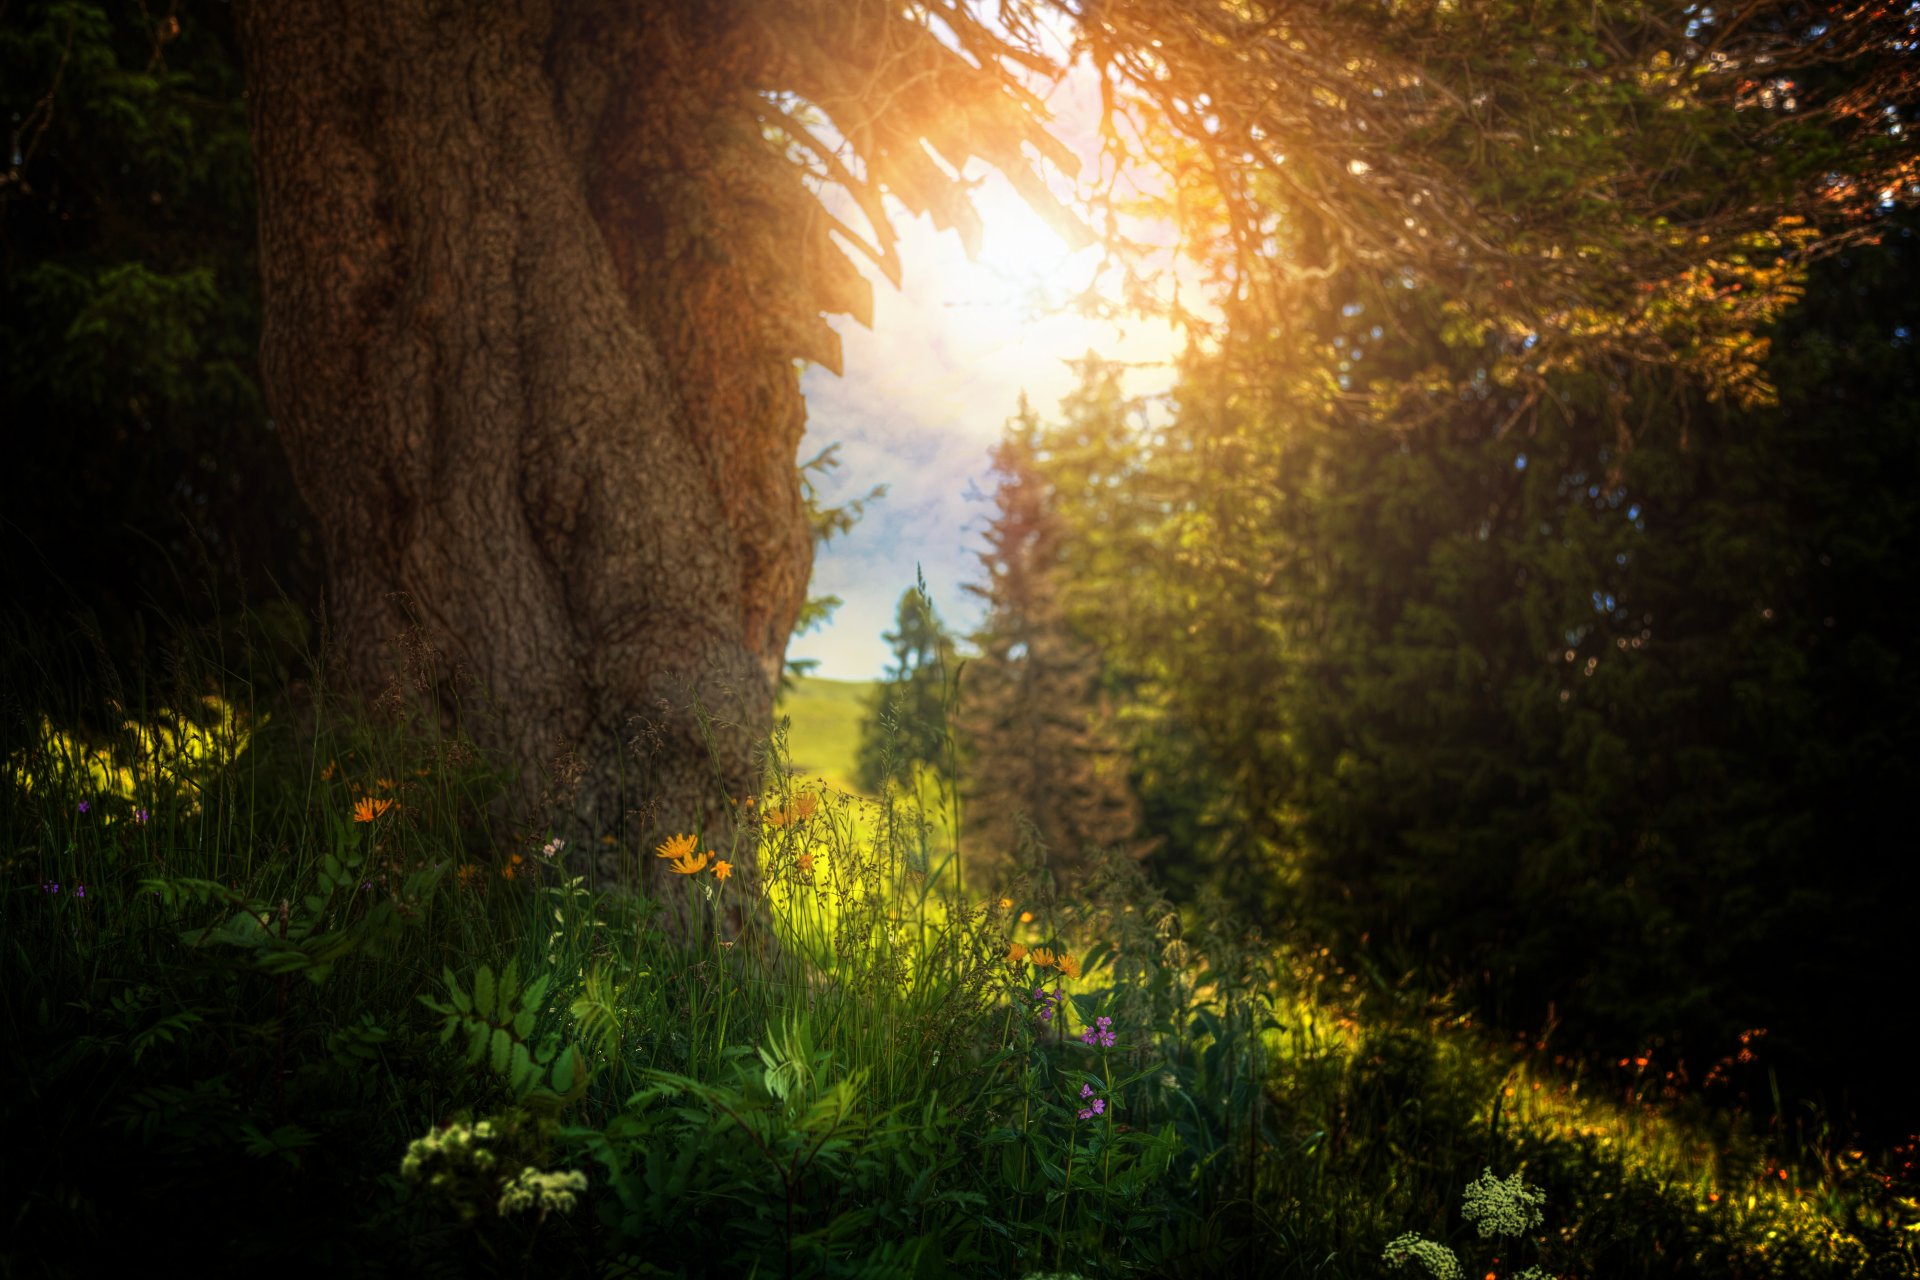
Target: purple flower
x=83, y=806
x=1101, y=1033
x=49, y=886
x=79, y=891
x=1047, y=1000
x=1097, y=1107
x=141, y=816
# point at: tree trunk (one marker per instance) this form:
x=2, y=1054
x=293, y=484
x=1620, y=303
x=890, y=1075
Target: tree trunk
x=535, y=402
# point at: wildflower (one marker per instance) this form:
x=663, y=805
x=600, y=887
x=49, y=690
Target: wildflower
x=506, y=872
x=722, y=869
x=1509, y=1208
x=141, y=816
x=50, y=886
x=369, y=808
x=385, y=784
x=690, y=865
x=1096, y=1107
x=83, y=806
x=608, y=841
x=1067, y=965
x=1026, y=917
x=79, y=891
x=1016, y=953
x=326, y=774
x=1100, y=1033
x=1046, y=1000
x=467, y=872
x=545, y=1191
x=774, y=817
x=1043, y=957
x=805, y=864
x=804, y=804
x=1006, y=904
x=553, y=846
x=1436, y=1258
x=674, y=848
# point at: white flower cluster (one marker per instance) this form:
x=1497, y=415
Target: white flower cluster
x=1535, y=1273
x=1509, y=1208
x=549, y=1192
x=1436, y=1258
x=458, y=1144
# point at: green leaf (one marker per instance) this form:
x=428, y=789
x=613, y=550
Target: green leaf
x=483, y=992
x=460, y=999
x=502, y=1047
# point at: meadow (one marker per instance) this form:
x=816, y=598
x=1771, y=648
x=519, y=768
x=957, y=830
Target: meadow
x=287, y=987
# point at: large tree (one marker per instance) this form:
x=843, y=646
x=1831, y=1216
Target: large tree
x=536, y=276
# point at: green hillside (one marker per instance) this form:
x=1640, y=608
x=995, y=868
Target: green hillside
x=825, y=728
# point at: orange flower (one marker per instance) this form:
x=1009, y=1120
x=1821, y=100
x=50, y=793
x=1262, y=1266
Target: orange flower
x=1006, y=904
x=1016, y=953
x=467, y=872
x=804, y=804
x=326, y=774
x=805, y=864
x=1068, y=965
x=673, y=848
x=1042, y=957
x=690, y=865
x=722, y=869
x=368, y=809
x=1026, y=917
x=385, y=784
x=506, y=872
x=775, y=817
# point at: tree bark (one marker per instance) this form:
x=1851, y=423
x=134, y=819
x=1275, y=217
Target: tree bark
x=536, y=401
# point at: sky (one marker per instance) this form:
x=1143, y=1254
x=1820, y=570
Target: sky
x=926, y=392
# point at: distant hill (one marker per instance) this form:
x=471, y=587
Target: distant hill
x=825, y=732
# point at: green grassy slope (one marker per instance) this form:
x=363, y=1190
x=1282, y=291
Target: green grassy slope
x=825, y=731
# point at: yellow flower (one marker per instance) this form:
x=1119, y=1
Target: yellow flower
x=1068, y=965
x=1042, y=957
x=804, y=804
x=368, y=809
x=677, y=847
x=723, y=869
x=1026, y=917
x=1006, y=904
x=690, y=865
x=775, y=817
x=1016, y=953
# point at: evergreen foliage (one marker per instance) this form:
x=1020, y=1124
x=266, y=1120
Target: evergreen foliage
x=142, y=468
x=1036, y=730
x=1586, y=703
x=906, y=727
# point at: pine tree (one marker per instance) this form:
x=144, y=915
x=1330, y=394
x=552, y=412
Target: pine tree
x=907, y=725
x=1039, y=744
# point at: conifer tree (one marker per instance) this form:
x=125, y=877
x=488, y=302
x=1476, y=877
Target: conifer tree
x=907, y=725
x=1039, y=744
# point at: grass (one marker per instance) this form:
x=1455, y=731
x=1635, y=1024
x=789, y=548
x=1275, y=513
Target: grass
x=409, y=1045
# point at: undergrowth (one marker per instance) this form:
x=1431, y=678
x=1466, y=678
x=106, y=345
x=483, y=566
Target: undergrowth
x=297, y=990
